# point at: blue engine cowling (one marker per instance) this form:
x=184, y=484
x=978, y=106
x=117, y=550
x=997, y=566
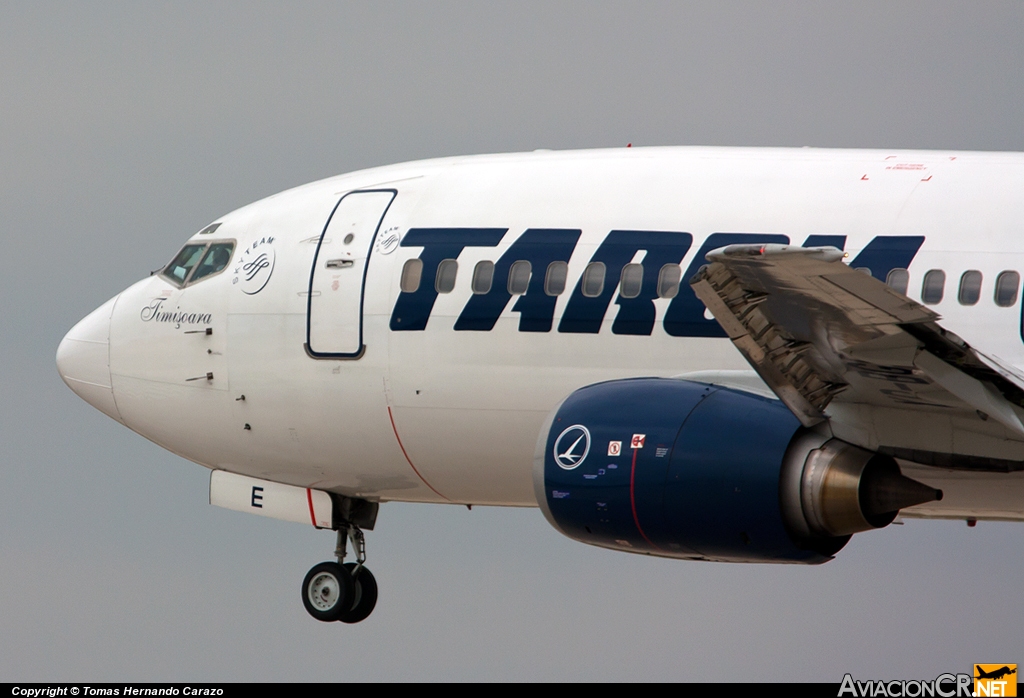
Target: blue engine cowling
x=674, y=468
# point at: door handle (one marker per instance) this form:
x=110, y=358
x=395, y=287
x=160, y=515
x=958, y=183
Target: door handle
x=339, y=263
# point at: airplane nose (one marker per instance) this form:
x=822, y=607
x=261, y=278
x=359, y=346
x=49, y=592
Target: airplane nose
x=83, y=360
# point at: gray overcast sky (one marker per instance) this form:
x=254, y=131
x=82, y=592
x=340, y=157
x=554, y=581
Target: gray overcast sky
x=126, y=127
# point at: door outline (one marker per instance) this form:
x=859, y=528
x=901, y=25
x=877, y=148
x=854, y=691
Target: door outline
x=362, y=286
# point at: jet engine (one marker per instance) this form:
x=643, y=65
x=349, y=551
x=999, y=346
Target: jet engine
x=683, y=469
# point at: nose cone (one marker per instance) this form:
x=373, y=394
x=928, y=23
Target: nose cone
x=83, y=360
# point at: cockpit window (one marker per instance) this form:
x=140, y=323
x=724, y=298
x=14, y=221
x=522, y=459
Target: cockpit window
x=178, y=270
x=217, y=257
x=187, y=267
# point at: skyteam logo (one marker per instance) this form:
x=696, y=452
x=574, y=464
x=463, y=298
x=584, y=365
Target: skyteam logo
x=255, y=265
x=387, y=241
x=572, y=447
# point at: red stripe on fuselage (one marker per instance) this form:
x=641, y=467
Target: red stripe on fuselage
x=409, y=460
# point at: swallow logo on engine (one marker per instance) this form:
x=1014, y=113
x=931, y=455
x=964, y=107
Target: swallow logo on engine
x=572, y=447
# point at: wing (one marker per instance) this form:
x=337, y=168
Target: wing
x=837, y=345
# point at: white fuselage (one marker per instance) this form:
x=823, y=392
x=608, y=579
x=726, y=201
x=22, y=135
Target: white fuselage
x=438, y=414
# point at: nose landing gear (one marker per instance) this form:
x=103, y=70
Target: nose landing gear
x=342, y=591
x=328, y=591
x=364, y=593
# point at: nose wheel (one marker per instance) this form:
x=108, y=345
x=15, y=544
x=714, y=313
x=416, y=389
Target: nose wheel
x=328, y=591
x=364, y=594
x=341, y=591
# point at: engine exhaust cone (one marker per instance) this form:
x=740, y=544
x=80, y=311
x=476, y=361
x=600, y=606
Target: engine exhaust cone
x=845, y=489
x=884, y=490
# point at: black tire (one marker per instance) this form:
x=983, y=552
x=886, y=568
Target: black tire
x=328, y=591
x=365, y=596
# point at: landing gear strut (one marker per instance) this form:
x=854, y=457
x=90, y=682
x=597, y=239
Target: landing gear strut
x=343, y=591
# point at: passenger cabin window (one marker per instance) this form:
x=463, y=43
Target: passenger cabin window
x=411, y=273
x=933, y=286
x=593, y=280
x=519, y=277
x=970, y=287
x=444, y=282
x=668, y=281
x=554, y=280
x=197, y=261
x=631, y=281
x=1007, y=284
x=483, y=277
x=898, y=280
